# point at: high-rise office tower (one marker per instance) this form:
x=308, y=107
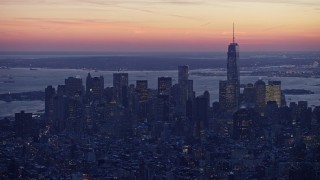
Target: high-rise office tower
x=230, y=89
x=189, y=109
x=272, y=111
x=273, y=92
x=142, y=90
x=200, y=110
x=243, y=121
x=294, y=111
x=304, y=114
x=97, y=88
x=120, y=85
x=88, y=84
x=61, y=90
x=60, y=107
x=302, y=106
x=260, y=96
x=74, y=86
x=249, y=95
x=162, y=108
x=227, y=99
x=50, y=92
x=94, y=88
x=164, y=85
x=233, y=74
x=183, y=74
x=131, y=94
x=316, y=112
x=191, y=94
x=24, y=125
x=183, y=82
x=75, y=117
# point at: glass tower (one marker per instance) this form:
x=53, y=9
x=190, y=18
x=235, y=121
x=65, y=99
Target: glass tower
x=233, y=76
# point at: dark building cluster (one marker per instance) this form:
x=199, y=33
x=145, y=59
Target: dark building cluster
x=129, y=131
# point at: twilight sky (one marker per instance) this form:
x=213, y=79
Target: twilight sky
x=159, y=25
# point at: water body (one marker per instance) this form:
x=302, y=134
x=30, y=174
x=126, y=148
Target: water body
x=8, y=109
x=34, y=80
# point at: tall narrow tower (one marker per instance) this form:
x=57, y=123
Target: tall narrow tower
x=233, y=58
x=229, y=90
x=233, y=75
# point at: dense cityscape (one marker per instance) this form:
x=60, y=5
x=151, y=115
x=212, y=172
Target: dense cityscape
x=130, y=131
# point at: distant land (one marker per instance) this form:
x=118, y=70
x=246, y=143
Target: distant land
x=24, y=96
x=297, y=91
x=152, y=61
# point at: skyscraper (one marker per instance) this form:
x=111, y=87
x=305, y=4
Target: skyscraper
x=273, y=92
x=190, y=89
x=231, y=87
x=120, y=84
x=142, y=90
x=183, y=74
x=164, y=85
x=243, y=122
x=60, y=106
x=162, y=108
x=227, y=100
x=75, y=117
x=49, y=95
x=74, y=86
x=260, y=96
x=183, y=82
x=233, y=69
x=60, y=102
x=24, y=125
x=249, y=95
x=272, y=112
x=88, y=84
x=200, y=110
x=94, y=87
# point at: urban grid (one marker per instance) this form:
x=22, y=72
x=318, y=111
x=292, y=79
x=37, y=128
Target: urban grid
x=130, y=131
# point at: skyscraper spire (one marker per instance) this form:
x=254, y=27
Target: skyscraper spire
x=233, y=33
x=233, y=76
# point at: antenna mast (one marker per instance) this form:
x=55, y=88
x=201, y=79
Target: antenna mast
x=233, y=33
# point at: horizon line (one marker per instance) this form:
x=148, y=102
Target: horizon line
x=93, y=52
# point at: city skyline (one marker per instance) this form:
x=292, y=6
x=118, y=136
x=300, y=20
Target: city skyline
x=94, y=25
x=159, y=89
x=106, y=126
